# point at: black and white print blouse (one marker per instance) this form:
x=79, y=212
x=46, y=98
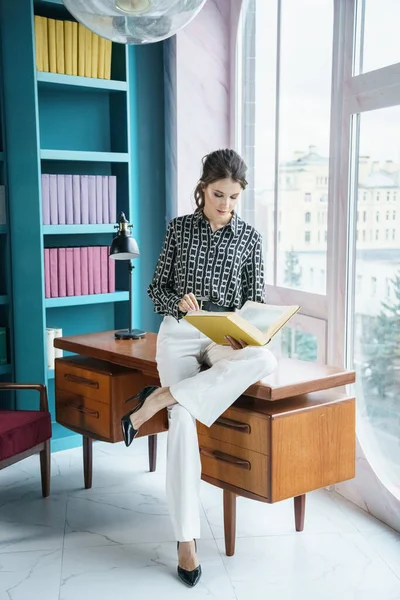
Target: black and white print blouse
x=225, y=266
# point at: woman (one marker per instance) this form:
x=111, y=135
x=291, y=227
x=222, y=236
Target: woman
x=210, y=260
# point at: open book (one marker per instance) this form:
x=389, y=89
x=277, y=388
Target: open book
x=255, y=323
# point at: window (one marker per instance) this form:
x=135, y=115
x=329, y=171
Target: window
x=394, y=196
x=394, y=215
x=379, y=23
x=308, y=217
x=377, y=217
x=393, y=234
x=325, y=235
x=377, y=234
x=307, y=197
x=364, y=196
x=387, y=196
x=359, y=284
x=387, y=215
x=307, y=236
x=373, y=286
x=364, y=215
x=378, y=196
x=364, y=235
x=387, y=234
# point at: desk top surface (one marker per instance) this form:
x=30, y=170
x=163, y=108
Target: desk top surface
x=290, y=378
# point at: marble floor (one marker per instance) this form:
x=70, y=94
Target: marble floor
x=115, y=540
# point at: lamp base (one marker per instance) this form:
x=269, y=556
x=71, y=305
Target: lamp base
x=129, y=334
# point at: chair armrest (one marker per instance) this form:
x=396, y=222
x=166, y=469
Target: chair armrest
x=44, y=405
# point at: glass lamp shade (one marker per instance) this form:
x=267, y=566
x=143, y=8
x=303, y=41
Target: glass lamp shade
x=134, y=21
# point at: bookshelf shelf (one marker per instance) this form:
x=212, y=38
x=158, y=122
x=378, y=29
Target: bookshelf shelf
x=51, y=80
x=5, y=369
x=3, y=300
x=83, y=300
x=3, y=229
x=78, y=155
x=77, y=229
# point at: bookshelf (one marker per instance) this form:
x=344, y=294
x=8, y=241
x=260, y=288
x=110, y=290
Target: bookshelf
x=74, y=125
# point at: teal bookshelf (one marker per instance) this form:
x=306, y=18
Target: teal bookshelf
x=77, y=155
x=84, y=300
x=54, y=80
x=77, y=229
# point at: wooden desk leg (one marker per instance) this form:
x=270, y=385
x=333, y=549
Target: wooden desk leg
x=87, y=461
x=152, y=452
x=229, y=522
x=299, y=511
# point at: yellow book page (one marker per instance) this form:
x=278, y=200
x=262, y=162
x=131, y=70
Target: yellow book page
x=45, y=44
x=88, y=53
x=101, y=59
x=74, y=48
x=68, y=47
x=81, y=49
x=217, y=325
x=107, y=59
x=60, y=50
x=95, y=55
x=275, y=327
x=38, y=43
x=51, y=30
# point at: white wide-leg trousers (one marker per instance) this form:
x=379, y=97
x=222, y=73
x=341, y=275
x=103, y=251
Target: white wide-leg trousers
x=181, y=350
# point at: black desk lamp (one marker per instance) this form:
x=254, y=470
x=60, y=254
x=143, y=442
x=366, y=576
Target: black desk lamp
x=124, y=247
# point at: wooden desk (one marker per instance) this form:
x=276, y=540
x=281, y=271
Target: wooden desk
x=287, y=436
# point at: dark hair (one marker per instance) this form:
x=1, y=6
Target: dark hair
x=220, y=164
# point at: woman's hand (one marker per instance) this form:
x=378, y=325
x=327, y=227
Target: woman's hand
x=188, y=302
x=236, y=344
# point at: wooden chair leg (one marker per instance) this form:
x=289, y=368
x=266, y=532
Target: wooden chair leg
x=45, y=458
x=87, y=461
x=229, y=522
x=299, y=511
x=152, y=452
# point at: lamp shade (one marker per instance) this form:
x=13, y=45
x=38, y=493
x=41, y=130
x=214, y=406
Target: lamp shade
x=124, y=246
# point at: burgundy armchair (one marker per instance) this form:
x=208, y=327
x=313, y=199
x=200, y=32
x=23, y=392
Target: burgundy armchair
x=26, y=432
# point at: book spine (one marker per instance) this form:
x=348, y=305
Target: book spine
x=84, y=199
x=53, y=272
x=81, y=49
x=74, y=48
x=95, y=55
x=51, y=32
x=92, y=199
x=3, y=346
x=60, y=47
x=97, y=269
x=58, y=353
x=111, y=273
x=104, y=269
x=77, y=272
x=62, y=273
x=61, y=199
x=107, y=59
x=69, y=259
x=112, y=193
x=50, y=347
x=47, y=293
x=99, y=199
x=106, y=213
x=76, y=198
x=88, y=53
x=84, y=271
x=69, y=205
x=45, y=199
x=91, y=269
x=38, y=43
x=68, y=47
x=45, y=44
x=102, y=55
x=53, y=200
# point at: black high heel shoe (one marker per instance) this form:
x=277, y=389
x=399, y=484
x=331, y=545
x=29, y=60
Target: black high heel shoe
x=189, y=577
x=128, y=430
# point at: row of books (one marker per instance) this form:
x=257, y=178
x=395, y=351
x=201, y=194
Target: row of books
x=3, y=217
x=52, y=353
x=78, y=271
x=75, y=199
x=3, y=346
x=69, y=48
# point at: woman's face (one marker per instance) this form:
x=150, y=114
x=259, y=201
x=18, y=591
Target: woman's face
x=220, y=199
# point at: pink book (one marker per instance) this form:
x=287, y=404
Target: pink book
x=97, y=269
x=99, y=199
x=69, y=259
x=45, y=199
x=62, y=273
x=106, y=212
x=104, y=269
x=76, y=198
x=47, y=273
x=92, y=199
x=84, y=199
x=111, y=274
x=77, y=272
x=53, y=272
x=84, y=271
x=91, y=269
x=69, y=206
x=53, y=200
x=112, y=193
x=61, y=199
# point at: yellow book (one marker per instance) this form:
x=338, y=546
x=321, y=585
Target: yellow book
x=51, y=31
x=38, y=43
x=255, y=323
x=102, y=55
x=74, y=25
x=68, y=47
x=88, y=53
x=45, y=44
x=107, y=59
x=60, y=50
x=95, y=55
x=81, y=49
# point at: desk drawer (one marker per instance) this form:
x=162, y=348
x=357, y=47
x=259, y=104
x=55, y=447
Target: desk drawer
x=240, y=427
x=81, y=381
x=243, y=468
x=83, y=413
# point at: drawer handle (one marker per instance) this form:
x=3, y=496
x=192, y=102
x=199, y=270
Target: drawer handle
x=233, y=460
x=81, y=380
x=86, y=411
x=232, y=424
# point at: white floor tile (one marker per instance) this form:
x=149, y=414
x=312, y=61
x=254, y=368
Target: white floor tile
x=30, y=575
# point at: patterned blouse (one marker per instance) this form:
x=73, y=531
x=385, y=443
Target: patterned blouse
x=225, y=266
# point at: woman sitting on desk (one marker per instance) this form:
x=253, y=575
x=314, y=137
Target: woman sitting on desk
x=214, y=255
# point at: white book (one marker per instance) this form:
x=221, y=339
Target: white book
x=58, y=353
x=50, y=347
